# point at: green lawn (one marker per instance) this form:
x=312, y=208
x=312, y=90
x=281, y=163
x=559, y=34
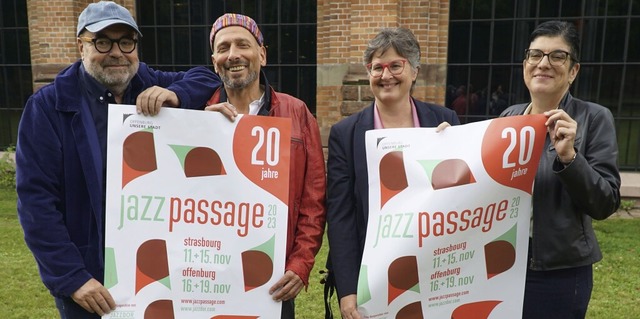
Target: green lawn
x=22, y=294
x=615, y=295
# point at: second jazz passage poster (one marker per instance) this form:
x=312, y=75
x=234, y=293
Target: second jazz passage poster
x=449, y=220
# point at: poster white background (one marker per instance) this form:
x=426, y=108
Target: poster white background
x=177, y=231
x=444, y=209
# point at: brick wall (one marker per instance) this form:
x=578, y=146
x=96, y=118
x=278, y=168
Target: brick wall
x=52, y=35
x=345, y=27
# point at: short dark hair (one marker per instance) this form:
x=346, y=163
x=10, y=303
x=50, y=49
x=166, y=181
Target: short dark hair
x=567, y=31
x=401, y=39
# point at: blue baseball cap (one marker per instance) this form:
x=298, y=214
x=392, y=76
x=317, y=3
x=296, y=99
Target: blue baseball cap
x=99, y=15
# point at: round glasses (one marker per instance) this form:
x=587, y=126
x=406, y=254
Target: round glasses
x=556, y=57
x=104, y=44
x=395, y=67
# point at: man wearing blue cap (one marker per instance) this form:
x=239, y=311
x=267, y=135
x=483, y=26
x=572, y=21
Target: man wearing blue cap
x=238, y=56
x=61, y=152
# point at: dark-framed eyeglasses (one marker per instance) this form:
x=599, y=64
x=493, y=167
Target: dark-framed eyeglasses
x=395, y=67
x=104, y=44
x=556, y=57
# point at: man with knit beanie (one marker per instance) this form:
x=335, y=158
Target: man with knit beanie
x=238, y=56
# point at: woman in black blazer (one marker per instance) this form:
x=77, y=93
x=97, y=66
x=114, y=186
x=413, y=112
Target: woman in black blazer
x=392, y=59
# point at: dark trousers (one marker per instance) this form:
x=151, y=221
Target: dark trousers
x=558, y=294
x=288, y=309
x=69, y=309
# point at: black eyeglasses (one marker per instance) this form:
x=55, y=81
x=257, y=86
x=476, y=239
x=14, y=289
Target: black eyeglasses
x=104, y=44
x=556, y=57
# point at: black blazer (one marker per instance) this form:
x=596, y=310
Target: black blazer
x=348, y=193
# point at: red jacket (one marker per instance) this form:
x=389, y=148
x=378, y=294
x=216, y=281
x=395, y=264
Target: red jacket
x=307, y=181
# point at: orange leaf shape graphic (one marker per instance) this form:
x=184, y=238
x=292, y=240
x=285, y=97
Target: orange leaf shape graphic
x=500, y=256
x=411, y=311
x=451, y=173
x=393, y=176
x=475, y=310
x=159, y=309
x=403, y=275
x=257, y=268
x=203, y=161
x=151, y=263
x=138, y=156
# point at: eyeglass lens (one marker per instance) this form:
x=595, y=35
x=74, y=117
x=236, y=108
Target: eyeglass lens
x=104, y=45
x=557, y=57
x=395, y=67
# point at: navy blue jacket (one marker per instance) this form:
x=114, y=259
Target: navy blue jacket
x=59, y=173
x=348, y=190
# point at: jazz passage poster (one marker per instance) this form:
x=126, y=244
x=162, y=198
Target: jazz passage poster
x=196, y=213
x=449, y=217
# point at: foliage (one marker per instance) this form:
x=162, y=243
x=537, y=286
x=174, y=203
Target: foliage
x=8, y=169
x=627, y=205
x=615, y=293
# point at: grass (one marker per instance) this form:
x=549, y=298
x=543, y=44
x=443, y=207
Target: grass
x=617, y=277
x=22, y=294
x=615, y=295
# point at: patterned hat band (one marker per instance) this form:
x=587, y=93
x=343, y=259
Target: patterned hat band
x=234, y=19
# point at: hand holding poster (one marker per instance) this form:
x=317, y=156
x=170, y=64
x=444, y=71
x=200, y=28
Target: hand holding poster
x=449, y=219
x=196, y=214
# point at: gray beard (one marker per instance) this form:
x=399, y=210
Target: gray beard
x=239, y=84
x=116, y=83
